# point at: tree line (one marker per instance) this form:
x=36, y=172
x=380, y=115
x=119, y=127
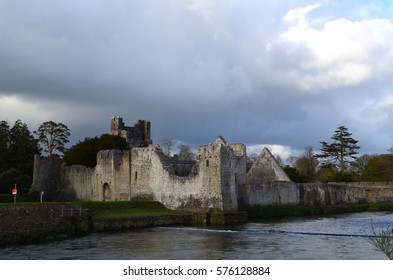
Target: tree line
x=339, y=161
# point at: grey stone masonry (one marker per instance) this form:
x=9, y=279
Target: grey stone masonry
x=216, y=181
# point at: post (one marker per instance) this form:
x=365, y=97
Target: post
x=42, y=194
x=14, y=192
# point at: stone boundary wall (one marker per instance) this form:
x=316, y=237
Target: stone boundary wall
x=140, y=222
x=384, y=184
x=313, y=194
x=22, y=224
x=271, y=193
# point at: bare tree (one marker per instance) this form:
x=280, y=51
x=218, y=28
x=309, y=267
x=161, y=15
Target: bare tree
x=307, y=164
x=251, y=159
x=185, y=153
x=279, y=160
x=167, y=144
x=359, y=165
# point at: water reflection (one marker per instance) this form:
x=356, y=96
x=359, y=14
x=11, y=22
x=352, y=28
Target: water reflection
x=335, y=237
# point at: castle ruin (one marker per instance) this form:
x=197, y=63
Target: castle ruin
x=216, y=181
x=136, y=136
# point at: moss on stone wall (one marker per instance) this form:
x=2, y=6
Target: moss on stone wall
x=42, y=222
x=272, y=211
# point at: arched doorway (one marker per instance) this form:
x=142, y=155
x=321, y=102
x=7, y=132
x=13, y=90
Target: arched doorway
x=106, y=191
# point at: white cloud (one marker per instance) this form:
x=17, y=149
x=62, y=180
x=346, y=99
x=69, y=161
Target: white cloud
x=340, y=53
x=298, y=15
x=277, y=150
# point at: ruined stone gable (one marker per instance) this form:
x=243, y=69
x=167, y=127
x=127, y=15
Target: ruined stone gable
x=266, y=169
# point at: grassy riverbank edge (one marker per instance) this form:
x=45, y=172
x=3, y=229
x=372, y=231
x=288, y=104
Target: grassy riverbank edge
x=126, y=215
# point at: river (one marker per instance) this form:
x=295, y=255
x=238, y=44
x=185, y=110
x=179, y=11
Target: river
x=337, y=237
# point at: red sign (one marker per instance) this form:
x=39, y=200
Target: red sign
x=14, y=191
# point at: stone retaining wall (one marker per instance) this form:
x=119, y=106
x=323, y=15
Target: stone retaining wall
x=22, y=224
x=140, y=222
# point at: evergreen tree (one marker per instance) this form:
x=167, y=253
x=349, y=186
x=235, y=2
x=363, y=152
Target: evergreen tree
x=23, y=147
x=17, y=150
x=85, y=152
x=341, y=151
x=5, y=134
x=53, y=136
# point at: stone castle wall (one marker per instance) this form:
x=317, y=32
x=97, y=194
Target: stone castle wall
x=46, y=176
x=145, y=173
x=316, y=194
x=372, y=191
x=79, y=177
x=218, y=180
x=272, y=193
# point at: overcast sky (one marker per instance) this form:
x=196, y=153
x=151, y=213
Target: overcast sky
x=279, y=73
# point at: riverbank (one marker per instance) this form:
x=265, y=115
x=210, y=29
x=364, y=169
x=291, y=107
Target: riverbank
x=40, y=222
x=29, y=223
x=24, y=223
x=124, y=215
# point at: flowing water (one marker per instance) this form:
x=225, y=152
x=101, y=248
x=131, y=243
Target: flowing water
x=336, y=237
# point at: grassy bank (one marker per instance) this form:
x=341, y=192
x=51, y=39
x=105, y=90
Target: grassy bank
x=122, y=210
x=273, y=211
x=9, y=198
x=116, y=210
x=37, y=222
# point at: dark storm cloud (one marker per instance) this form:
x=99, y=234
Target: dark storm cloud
x=252, y=71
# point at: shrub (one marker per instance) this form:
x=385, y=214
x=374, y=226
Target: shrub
x=383, y=242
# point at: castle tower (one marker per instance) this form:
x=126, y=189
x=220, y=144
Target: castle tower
x=117, y=125
x=223, y=166
x=136, y=136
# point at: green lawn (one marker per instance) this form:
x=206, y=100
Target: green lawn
x=105, y=210
x=126, y=209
